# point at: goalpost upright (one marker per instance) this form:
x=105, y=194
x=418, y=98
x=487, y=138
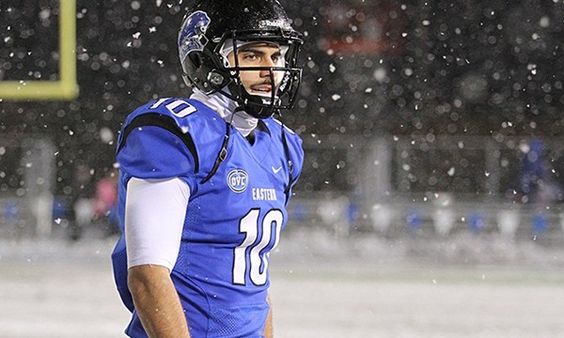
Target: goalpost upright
x=37, y=164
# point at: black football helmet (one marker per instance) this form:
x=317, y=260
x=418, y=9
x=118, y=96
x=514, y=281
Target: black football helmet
x=210, y=25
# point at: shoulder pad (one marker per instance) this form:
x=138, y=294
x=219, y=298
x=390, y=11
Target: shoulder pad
x=187, y=115
x=276, y=126
x=199, y=127
x=280, y=124
x=179, y=109
x=292, y=144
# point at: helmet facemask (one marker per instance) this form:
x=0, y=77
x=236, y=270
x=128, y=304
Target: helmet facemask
x=210, y=72
x=283, y=78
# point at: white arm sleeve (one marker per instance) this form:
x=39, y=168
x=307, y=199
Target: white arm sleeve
x=154, y=218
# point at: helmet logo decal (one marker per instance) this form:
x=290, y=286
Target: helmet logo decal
x=191, y=37
x=238, y=180
x=273, y=23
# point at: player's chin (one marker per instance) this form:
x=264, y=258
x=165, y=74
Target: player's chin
x=262, y=93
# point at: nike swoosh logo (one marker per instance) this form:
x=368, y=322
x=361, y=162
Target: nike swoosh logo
x=276, y=170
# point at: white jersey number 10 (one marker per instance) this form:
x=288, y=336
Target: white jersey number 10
x=250, y=225
x=179, y=108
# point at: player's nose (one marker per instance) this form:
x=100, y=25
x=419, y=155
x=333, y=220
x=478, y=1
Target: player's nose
x=267, y=62
x=265, y=73
x=268, y=74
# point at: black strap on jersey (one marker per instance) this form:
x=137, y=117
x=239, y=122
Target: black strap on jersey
x=221, y=156
x=165, y=122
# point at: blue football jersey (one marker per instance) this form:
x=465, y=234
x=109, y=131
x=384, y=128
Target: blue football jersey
x=233, y=220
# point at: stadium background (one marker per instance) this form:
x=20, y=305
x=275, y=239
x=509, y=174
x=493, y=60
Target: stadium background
x=433, y=132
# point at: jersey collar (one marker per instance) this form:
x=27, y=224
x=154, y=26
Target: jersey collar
x=225, y=107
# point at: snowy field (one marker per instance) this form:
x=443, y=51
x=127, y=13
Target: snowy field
x=360, y=287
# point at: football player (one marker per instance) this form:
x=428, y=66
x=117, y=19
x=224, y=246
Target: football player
x=205, y=180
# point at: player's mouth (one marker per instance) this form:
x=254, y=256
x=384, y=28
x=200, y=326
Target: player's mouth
x=262, y=88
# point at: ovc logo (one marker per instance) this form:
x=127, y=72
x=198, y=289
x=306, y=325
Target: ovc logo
x=238, y=180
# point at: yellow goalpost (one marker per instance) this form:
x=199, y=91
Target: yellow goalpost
x=66, y=88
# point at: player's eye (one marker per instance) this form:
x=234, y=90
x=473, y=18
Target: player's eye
x=250, y=57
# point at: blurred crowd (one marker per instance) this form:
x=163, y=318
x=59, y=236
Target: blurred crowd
x=413, y=68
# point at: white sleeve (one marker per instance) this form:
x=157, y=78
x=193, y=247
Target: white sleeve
x=154, y=218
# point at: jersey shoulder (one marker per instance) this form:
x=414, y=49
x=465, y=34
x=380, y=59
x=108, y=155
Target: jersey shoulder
x=167, y=129
x=186, y=114
x=276, y=127
x=293, y=141
x=187, y=118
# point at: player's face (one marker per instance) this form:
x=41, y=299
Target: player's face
x=260, y=54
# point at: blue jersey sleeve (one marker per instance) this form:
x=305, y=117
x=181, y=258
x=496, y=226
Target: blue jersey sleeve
x=170, y=137
x=157, y=149
x=153, y=153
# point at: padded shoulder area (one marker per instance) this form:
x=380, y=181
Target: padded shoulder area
x=294, y=143
x=187, y=114
x=175, y=121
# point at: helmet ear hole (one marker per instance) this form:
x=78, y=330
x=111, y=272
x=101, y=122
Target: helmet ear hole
x=196, y=59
